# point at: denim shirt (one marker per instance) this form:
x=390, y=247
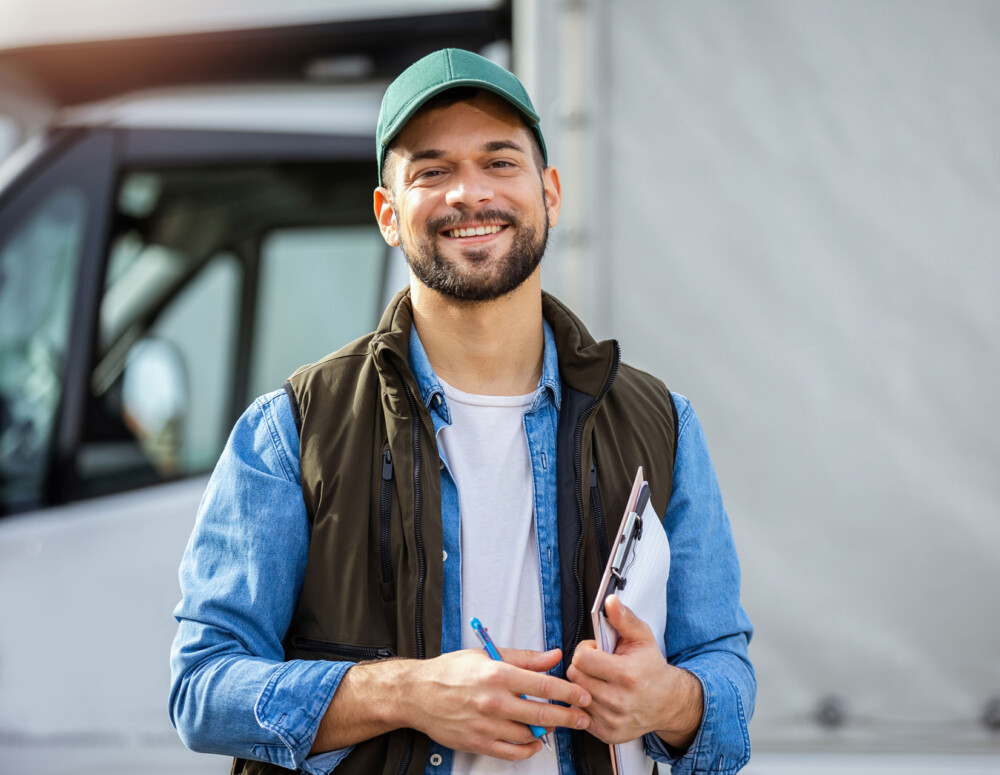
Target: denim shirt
x=244, y=567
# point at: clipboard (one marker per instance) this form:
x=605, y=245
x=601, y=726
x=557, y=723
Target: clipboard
x=637, y=572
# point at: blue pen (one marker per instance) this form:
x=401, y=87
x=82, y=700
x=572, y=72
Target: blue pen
x=490, y=649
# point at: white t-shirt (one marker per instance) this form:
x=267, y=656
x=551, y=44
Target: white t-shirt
x=486, y=450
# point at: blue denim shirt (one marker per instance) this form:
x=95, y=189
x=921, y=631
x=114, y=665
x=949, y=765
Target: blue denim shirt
x=244, y=566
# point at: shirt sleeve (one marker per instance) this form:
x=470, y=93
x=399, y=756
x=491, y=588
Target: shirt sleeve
x=707, y=629
x=232, y=692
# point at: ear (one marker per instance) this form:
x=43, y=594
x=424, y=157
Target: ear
x=386, y=216
x=553, y=194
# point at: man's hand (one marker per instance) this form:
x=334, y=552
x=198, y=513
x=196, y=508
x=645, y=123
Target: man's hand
x=635, y=690
x=463, y=700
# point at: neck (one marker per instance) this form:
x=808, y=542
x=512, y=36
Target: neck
x=486, y=348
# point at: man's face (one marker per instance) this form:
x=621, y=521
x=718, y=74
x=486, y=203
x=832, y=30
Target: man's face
x=468, y=204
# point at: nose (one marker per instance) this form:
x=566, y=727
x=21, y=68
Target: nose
x=470, y=187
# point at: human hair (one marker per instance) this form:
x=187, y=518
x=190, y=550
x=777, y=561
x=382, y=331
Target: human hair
x=446, y=99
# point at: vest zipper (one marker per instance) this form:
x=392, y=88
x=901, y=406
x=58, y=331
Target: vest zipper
x=597, y=509
x=346, y=650
x=385, y=516
x=421, y=561
x=580, y=760
x=417, y=524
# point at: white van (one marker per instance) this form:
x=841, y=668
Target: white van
x=166, y=255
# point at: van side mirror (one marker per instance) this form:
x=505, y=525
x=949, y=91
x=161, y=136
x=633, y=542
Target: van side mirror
x=156, y=400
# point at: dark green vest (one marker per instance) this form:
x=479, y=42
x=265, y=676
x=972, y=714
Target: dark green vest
x=372, y=487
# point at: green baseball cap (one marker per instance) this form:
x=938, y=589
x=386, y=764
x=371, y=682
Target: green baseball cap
x=445, y=69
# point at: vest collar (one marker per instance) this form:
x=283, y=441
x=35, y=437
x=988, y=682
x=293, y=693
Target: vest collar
x=392, y=337
x=584, y=363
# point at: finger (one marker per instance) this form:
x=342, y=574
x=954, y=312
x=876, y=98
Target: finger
x=595, y=687
x=534, y=708
x=545, y=687
x=606, y=711
x=537, y=661
x=544, y=714
x=598, y=664
x=600, y=730
x=607, y=733
x=622, y=618
x=510, y=731
x=607, y=697
x=511, y=752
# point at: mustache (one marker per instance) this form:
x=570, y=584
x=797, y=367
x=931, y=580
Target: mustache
x=482, y=217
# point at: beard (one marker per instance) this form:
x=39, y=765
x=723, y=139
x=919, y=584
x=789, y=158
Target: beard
x=475, y=283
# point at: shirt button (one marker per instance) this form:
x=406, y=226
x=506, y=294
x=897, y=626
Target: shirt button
x=445, y=553
x=436, y=759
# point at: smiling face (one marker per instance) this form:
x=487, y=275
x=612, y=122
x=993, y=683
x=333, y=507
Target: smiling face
x=467, y=201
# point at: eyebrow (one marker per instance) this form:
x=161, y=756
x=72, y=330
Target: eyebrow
x=490, y=147
x=430, y=153
x=502, y=145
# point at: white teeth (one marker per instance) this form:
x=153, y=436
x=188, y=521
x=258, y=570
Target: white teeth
x=477, y=231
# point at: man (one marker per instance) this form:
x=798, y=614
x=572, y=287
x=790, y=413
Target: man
x=469, y=458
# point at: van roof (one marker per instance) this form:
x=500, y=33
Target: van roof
x=32, y=23
x=345, y=109
x=71, y=58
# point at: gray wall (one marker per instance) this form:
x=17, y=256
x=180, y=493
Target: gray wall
x=788, y=210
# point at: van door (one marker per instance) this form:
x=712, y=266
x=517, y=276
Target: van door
x=153, y=283
x=52, y=233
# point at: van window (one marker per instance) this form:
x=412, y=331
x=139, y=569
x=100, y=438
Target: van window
x=160, y=394
x=220, y=282
x=38, y=270
x=319, y=289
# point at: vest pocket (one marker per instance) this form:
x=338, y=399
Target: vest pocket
x=346, y=651
x=385, y=517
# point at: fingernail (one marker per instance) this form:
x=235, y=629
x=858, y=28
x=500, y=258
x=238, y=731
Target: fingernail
x=581, y=722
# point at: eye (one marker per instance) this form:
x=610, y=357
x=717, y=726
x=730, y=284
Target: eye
x=501, y=164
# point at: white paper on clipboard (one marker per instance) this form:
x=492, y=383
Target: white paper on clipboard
x=645, y=592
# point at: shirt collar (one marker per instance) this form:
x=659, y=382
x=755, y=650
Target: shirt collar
x=432, y=394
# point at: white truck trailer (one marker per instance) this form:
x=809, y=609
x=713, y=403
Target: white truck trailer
x=787, y=210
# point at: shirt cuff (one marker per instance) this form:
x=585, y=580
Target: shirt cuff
x=722, y=744
x=291, y=706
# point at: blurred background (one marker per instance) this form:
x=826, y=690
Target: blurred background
x=786, y=209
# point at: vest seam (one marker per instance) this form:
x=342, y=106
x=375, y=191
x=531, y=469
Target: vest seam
x=293, y=403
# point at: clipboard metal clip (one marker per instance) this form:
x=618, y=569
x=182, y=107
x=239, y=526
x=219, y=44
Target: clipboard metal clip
x=631, y=533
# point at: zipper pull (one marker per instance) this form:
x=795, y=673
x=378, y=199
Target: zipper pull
x=386, y=466
x=593, y=474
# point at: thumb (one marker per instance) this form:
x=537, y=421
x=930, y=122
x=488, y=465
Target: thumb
x=630, y=627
